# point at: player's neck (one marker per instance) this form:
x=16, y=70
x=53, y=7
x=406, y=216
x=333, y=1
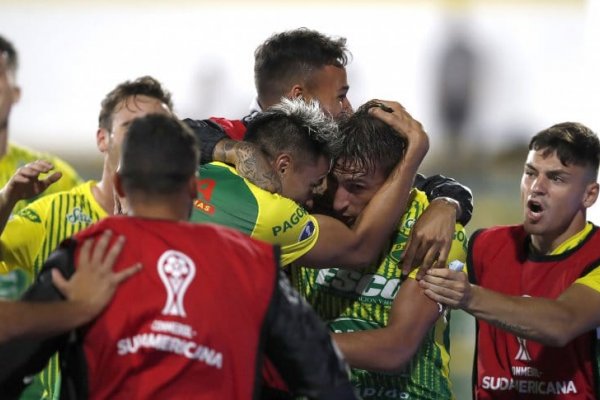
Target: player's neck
x=103, y=191
x=157, y=210
x=546, y=244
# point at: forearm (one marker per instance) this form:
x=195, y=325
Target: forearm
x=22, y=318
x=411, y=317
x=544, y=320
x=6, y=206
x=376, y=350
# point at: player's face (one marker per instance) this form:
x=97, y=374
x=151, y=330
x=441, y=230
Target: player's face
x=129, y=109
x=554, y=198
x=354, y=188
x=9, y=92
x=329, y=85
x=301, y=181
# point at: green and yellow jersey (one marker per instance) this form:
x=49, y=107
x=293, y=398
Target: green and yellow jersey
x=361, y=300
x=225, y=198
x=14, y=283
x=592, y=278
x=33, y=233
x=18, y=156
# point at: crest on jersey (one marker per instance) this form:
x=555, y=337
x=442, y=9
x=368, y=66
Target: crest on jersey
x=176, y=270
x=523, y=353
x=307, y=231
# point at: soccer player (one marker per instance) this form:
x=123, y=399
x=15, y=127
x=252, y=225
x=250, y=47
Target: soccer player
x=399, y=346
x=39, y=228
x=296, y=136
x=536, y=285
x=87, y=292
x=207, y=304
x=304, y=63
x=13, y=156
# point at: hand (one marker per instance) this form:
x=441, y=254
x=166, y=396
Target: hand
x=93, y=284
x=404, y=123
x=25, y=183
x=448, y=287
x=430, y=238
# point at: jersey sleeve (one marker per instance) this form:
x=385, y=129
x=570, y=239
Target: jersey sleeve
x=301, y=348
x=22, y=237
x=591, y=279
x=283, y=222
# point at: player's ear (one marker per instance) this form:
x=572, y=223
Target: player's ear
x=591, y=194
x=102, y=138
x=15, y=94
x=295, y=92
x=283, y=163
x=191, y=187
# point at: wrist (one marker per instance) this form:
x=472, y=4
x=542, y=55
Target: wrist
x=449, y=201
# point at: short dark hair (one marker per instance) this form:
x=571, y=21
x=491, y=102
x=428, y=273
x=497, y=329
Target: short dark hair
x=158, y=156
x=8, y=50
x=574, y=144
x=297, y=127
x=367, y=142
x=145, y=86
x=291, y=56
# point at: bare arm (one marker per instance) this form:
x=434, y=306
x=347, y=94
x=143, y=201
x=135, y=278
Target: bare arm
x=24, y=184
x=550, y=322
x=87, y=292
x=392, y=347
x=341, y=246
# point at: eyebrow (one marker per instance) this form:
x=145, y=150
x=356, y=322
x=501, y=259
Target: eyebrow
x=551, y=172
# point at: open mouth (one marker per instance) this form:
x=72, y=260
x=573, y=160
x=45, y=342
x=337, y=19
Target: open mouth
x=535, y=209
x=535, y=206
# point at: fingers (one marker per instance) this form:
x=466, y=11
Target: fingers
x=36, y=167
x=429, y=261
x=113, y=252
x=391, y=118
x=52, y=178
x=84, y=254
x=126, y=273
x=408, y=258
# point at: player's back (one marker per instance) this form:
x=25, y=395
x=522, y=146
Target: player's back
x=188, y=325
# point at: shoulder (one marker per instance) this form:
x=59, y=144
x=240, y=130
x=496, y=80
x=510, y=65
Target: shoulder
x=222, y=237
x=22, y=155
x=61, y=201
